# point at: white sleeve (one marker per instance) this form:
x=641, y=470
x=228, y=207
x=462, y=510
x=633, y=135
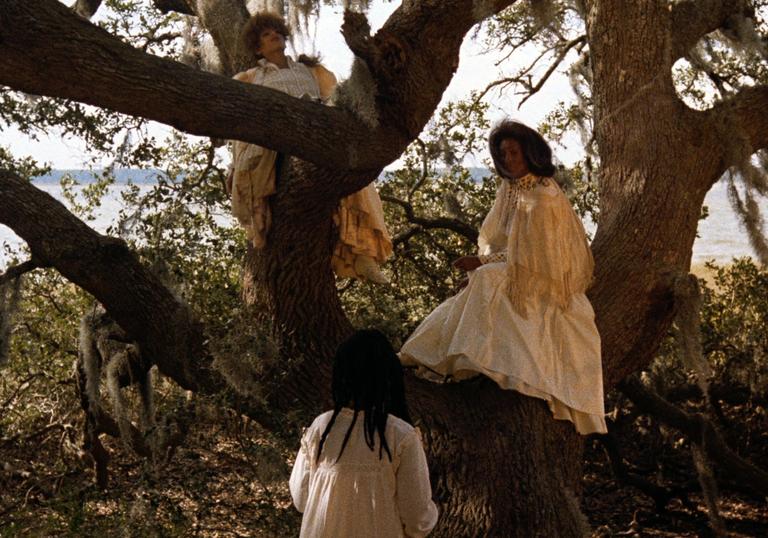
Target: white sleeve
x=418, y=513
x=299, y=482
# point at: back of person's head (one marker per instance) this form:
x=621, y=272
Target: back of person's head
x=367, y=377
x=537, y=153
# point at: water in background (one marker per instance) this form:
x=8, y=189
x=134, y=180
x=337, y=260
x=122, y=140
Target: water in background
x=721, y=237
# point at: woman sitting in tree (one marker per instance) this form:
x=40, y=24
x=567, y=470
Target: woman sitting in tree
x=523, y=319
x=363, y=239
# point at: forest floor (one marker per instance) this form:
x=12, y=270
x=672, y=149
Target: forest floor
x=214, y=487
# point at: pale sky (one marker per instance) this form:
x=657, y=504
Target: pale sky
x=475, y=71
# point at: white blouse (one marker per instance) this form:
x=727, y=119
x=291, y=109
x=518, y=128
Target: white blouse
x=362, y=495
x=295, y=80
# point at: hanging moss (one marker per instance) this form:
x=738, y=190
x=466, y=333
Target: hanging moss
x=10, y=295
x=688, y=330
x=358, y=93
x=708, y=489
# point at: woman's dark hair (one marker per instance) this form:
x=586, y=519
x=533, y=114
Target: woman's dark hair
x=251, y=35
x=537, y=153
x=367, y=376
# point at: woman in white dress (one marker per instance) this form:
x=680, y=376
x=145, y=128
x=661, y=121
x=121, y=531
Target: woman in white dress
x=523, y=318
x=361, y=470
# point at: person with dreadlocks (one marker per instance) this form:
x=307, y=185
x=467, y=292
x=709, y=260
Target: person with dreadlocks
x=364, y=243
x=523, y=319
x=361, y=469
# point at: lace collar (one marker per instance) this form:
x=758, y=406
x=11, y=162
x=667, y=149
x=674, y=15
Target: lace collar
x=526, y=182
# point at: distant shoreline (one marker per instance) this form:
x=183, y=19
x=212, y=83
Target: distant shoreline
x=123, y=176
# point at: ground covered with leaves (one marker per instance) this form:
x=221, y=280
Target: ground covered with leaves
x=229, y=478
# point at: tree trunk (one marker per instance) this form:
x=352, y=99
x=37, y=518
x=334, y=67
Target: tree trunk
x=501, y=466
x=471, y=429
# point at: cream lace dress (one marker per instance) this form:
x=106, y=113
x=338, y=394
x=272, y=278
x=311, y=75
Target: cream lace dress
x=524, y=319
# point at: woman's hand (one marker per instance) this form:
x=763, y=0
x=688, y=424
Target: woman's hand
x=467, y=263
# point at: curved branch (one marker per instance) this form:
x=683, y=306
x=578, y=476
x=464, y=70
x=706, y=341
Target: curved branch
x=454, y=225
x=91, y=66
x=150, y=314
x=106, y=268
x=17, y=270
x=415, y=54
x=699, y=430
x=692, y=19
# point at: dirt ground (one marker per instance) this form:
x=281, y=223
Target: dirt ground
x=211, y=487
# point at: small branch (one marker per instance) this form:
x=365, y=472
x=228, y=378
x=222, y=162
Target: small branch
x=86, y=8
x=454, y=225
x=532, y=90
x=424, y=168
x=660, y=495
x=159, y=38
x=357, y=33
x=179, y=6
x=405, y=236
x=699, y=430
x=17, y=270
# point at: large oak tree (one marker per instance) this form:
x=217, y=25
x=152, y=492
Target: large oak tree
x=501, y=465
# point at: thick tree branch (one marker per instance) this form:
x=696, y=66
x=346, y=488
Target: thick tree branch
x=415, y=54
x=699, y=430
x=91, y=66
x=745, y=116
x=150, y=314
x=106, y=268
x=224, y=20
x=444, y=223
x=692, y=19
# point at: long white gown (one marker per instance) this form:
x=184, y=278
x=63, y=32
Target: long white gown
x=362, y=495
x=524, y=319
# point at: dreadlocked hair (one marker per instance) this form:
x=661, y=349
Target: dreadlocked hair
x=368, y=377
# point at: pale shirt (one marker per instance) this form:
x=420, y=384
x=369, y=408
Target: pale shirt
x=361, y=495
x=295, y=80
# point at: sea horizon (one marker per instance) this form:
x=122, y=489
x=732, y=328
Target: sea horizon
x=721, y=236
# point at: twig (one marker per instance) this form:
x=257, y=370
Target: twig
x=532, y=90
x=424, y=169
